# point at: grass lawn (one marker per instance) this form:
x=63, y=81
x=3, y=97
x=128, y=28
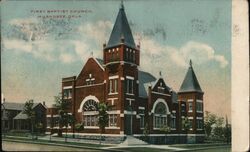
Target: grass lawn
x=56, y=142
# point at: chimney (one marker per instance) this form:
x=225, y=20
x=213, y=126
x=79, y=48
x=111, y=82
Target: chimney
x=44, y=103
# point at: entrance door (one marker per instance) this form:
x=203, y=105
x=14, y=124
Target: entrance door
x=128, y=124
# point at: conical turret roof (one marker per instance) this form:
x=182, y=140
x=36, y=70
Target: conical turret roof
x=121, y=31
x=190, y=83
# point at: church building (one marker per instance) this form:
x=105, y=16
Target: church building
x=140, y=101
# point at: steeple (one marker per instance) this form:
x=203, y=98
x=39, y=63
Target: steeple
x=121, y=32
x=190, y=83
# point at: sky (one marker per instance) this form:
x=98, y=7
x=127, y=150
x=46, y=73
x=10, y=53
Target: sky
x=36, y=52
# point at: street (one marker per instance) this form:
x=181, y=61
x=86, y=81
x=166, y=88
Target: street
x=15, y=146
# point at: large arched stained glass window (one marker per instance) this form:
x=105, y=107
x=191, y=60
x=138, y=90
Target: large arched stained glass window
x=160, y=109
x=160, y=115
x=90, y=114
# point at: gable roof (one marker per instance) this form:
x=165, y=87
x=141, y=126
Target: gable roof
x=160, y=79
x=145, y=80
x=12, y=106
x=121, y=30
x=190, y=83
x=21, y=115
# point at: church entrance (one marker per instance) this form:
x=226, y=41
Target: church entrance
x=128, y=124
x=128, y=121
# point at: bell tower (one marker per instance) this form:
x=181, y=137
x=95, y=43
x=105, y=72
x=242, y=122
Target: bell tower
x=121, y=58
x=190, y=99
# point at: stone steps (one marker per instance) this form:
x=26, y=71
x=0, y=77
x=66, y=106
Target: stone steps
x=131, y=141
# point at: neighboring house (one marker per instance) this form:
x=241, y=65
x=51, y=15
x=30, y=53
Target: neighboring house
x=13, y=117
x=8, y=111
x=138, y=98
x=21, y=121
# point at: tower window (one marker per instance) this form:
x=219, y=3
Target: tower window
x=199, y=124
x=199, y=106
x=130, y=86
x=190, y=106
x=110, y=86
x=113, y=84
x=190, y=123
x=183, y=107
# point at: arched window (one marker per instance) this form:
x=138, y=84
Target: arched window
x=90, y=114
x=160, y=114
x=90, y=105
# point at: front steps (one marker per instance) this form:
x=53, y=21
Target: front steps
x=132, y=141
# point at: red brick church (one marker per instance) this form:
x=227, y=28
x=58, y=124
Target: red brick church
x=139, y=99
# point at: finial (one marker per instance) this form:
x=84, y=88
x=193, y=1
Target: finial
x=121, y=7
x=91, y=54
x=160, y=74
x=190, y=63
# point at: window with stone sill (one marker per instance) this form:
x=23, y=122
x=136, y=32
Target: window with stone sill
x=198, y=106
x=199, y=124
x=67, y=93
x=90, y=120
x=113, y=85
x=112, y=120
x=130, y=85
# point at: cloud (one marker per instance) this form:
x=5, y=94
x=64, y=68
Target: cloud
x=159, y=54
x=32, y=36
x=66, y=58
x=43, y=40
x=98, y=31
x=199, y=52
x=17, y=44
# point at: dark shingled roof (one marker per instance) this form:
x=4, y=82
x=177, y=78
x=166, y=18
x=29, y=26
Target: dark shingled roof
x=120, y=30
x=145, y=80
x=21, y=115
x=12, y=106
x=190, y=82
